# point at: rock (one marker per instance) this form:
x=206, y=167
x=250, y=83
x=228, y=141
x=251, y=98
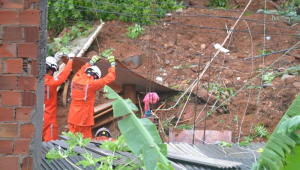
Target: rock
x=296, y=84
x=167, y=62
x=202, y=47
x=133, y=61
x=297, y=56
x=285, y=76
x=228, y=73
x=179, y=10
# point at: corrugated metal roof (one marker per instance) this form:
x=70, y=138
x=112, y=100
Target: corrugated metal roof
x=246, y=156
x=183, y=156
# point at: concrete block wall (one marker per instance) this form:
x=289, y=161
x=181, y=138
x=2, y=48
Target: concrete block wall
x=23, y=39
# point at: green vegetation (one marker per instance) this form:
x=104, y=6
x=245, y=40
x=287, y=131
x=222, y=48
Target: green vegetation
x=262, y=52
x=185, y=126
x=108, y=52
x=289, y=11
x=78, y=140
x=224, y=143
x=63, y=13
x=283, y=143
x=62, y=44
x=220, y=92
x=217, y=3
x=140, y=135
x=134, y=32
x=260, y=131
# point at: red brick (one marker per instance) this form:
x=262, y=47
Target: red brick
x=27, y=83
x=13, y=66
x=27, y=50
x=8, y=50
x=28, y=99
x=6, y=147
x=32, y=34
x=9, y=17
x=6, y=114
x=27, y=163
x=23, y=114
x=21, y=146
x=31, y=4
x=0, y=64
x=8, y=130
x=13, y=4
x=12, y=34
x=9, y=163
x=10, y=98
x=8, y=82
x=34, y=67
x=30, y=17
x=26, y=130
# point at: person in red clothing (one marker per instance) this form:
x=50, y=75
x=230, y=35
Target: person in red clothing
x=83, y=92
x=50, y=97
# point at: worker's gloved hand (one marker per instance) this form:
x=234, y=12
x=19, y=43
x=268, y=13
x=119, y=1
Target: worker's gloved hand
x=94, y=60
x=71, y=56
x=111, y=60
x=57, y=56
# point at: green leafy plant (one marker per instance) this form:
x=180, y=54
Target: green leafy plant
x=217, y=3
x=61, y=44
x=222, y=121
x=63, y=13
x=108, y=52
x=118, y=145
x=219, y=91
x=185, y=126
x=140, y=135
x=224, y=143
x=268, y=77
x=134, y=32
x=261, y=131
x=246, y=141
x=283, y=142
x=261, y=52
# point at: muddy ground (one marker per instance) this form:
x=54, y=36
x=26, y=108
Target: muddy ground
x=179, y=40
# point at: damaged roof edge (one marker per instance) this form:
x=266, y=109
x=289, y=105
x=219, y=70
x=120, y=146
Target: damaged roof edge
x=219, y=163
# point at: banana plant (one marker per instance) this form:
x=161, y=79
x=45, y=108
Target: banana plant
x=140, y=135
x=284, y=141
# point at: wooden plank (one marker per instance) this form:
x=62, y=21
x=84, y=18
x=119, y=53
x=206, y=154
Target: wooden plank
x=65, y=92
x=103, y=120
x=103, y=113
x=103, y=106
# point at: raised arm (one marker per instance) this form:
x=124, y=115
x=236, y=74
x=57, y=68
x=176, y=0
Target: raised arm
x=61, y=78
x=109, y=78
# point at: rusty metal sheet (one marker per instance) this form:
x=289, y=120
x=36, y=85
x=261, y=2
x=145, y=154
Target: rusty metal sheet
x=211, y=136
x=123, y=75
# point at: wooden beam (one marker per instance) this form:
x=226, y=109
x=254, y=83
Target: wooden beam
x=103, y=113
x=103, y=107
x=129, y=91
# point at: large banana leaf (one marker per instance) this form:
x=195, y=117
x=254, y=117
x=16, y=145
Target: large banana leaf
x=279, y=149
x=140, y=135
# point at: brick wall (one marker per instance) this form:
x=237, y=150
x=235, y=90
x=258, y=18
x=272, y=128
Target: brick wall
x=22, y=53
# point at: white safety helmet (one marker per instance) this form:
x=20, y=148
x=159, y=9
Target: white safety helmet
x=51, y=62
x=103, y=132
x=93, y=71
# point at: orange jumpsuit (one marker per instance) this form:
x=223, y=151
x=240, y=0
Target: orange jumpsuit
x=50, y=102
x=83, y=93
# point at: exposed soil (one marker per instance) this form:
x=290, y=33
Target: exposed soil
x=179, y=40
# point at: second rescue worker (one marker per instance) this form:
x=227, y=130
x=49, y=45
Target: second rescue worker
x=83, y=92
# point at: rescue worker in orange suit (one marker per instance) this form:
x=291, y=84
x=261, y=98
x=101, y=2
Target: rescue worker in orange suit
x=50, y=97
x=103, y=134
x=83, y=92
